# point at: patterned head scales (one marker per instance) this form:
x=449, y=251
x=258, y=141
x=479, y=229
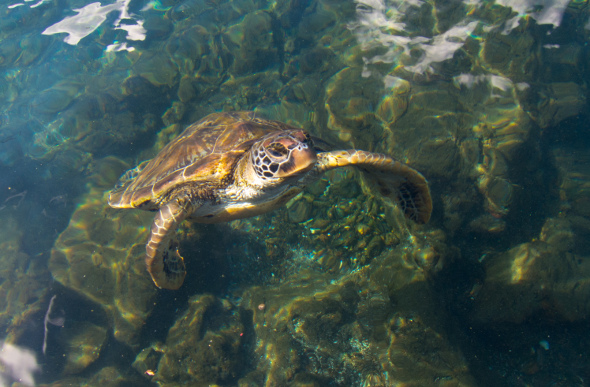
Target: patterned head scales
x=284, y=154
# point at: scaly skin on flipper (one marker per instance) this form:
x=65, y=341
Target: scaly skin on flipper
x=163, y=261
x=393, y=179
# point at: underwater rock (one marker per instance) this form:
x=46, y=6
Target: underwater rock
x=557, y=101
x=354, y=328
x=316, y=23
x=419, y=355
x=574, y=193
x=106, y=377
x=341, y=220
x=306, y=90
x=93, y=124
x=31, y=49
x=251, y=43
x=295, y=114
x=538, y=277
x=299, y=208
x=302, y=324
x=56, y=98
x=500, y=135
x=498, y=193
x=100, y=255
x=146, y=362
x=186, y=89
x=513, y=54
x=205, y=345
x=189, y=47
x=174, y=114
x=563, y=62
x=138, y=90
x=317, y=60
x=24, y=283
x=237, y=93
x=84, y=341
x=438, y=157
x=209, y=14
x=558, y=233
x=157, y=27
x=425, y=135
x=394, y=105
x=350, y=99
x=488, y=223
x=574, y=188
x=158, y=69
x=185, y=10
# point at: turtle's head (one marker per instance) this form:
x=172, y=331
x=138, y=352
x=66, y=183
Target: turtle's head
x=282, y=155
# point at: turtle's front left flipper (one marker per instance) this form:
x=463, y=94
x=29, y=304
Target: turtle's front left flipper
x=163, y=261
x=392, y=178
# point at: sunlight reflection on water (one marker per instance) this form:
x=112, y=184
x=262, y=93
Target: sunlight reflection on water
x=90, y=17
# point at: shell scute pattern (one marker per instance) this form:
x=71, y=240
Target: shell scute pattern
x=205, y=153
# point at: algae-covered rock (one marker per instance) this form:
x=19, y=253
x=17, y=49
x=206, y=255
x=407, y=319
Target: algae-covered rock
x=146, y=362
x=492, y=153
x=543, y=276
x=186, y=89
x=299, y=209
x=301, y=325
x=558, y=101
x=206, y=345
x=393, y=105
x=350, y=101
x=24, y=283
x=549, y=274
x=420, y=355
x=56, y=98
x=84, y=341
x=100, y=255
x=158, y=69
x=344, y=222
x=107, y=376
x=251, y=43
x=93, y=123
x=174, y=114
x=188, y=48
x=361, y=328
x=514, y=54
x=574, y=194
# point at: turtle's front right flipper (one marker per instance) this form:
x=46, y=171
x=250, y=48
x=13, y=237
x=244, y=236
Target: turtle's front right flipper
x=393, y=179
x=163, y=261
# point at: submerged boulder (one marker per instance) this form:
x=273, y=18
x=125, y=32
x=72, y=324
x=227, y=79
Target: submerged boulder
x=100, y=255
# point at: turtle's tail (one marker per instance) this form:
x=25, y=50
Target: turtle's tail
x=392, y=178
x=163, y=261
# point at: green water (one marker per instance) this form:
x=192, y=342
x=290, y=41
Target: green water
x=488, y=100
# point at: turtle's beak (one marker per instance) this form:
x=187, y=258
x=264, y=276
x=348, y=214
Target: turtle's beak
x=302, y=155
x=301, y=161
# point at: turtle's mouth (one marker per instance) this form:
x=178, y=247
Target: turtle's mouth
x=288, y=154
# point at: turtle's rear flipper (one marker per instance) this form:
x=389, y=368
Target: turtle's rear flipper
x=163, y=261
x=392, y=179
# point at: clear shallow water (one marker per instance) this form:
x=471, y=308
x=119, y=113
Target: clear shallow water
x=487, y=99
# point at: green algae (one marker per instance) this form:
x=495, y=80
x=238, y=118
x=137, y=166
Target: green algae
x=473, y=123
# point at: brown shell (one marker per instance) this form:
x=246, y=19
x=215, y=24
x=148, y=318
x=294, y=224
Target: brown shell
x=205, y=153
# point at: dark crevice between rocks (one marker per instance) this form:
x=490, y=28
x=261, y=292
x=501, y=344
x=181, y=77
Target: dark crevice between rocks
x=75, y=309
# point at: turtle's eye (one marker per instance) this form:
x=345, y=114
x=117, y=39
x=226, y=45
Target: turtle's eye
x=277, y=149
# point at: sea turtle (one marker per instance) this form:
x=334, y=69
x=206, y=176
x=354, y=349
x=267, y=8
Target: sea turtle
x=236, y=165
